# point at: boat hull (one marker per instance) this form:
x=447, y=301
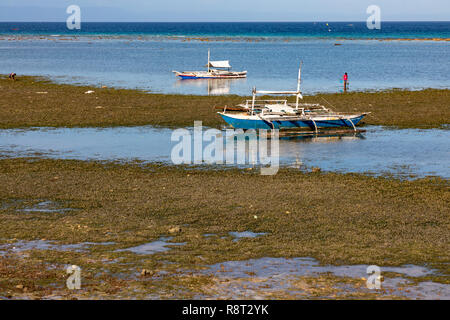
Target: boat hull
x=188, y=76
x=252, y=123
x=211, y=75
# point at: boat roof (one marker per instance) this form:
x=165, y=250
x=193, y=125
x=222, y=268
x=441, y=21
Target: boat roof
x=219, y=64
x=277, y=92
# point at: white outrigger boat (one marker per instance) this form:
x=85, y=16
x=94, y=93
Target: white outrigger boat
x=279, y=114
x=216, y=70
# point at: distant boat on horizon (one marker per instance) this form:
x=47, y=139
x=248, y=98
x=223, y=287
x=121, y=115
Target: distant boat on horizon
x=216, y=70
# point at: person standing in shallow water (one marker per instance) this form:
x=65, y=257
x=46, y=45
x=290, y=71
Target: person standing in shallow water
x=345, y=81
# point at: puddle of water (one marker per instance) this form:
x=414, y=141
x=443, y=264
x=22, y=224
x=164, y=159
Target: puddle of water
x=46, y=207
x=278, y=267
x=247, y=278
x=246, y=234
x=23, y=245
x=379, y=150
x=6, y=204
x=432, y=291
x=153, y=247
x=208, y=235
x=41, y=207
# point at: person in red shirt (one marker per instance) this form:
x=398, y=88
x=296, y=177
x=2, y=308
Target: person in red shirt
x=345, y=81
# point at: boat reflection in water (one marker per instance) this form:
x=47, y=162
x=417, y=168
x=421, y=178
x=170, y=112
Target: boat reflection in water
x=322, y=137
x=305, y=149
x=297, y=147
x=212, y=86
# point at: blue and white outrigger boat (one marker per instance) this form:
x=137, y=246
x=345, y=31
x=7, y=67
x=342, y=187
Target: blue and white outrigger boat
x=279, y=114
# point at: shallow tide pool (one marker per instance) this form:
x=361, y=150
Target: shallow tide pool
x=265, y=277
x=404, y=153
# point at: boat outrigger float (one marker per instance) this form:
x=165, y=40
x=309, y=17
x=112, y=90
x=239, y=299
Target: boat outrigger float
x=216, y=70
x=279, y=114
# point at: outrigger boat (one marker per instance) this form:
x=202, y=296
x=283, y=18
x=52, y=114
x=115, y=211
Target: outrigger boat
x=216, y=70
x=279, y=114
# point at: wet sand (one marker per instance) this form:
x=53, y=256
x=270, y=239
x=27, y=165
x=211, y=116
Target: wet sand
x=154, y=231
x=157, y=231
x=36, y=102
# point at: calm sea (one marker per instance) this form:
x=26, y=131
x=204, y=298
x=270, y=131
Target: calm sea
x=352, y=30
x=142, y=55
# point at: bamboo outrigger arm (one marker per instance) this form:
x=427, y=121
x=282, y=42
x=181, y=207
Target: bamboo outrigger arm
x=354, y=128
x=315, y=125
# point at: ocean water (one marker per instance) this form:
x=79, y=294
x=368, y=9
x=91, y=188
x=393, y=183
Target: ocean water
x=351, y=30
x=143, y=55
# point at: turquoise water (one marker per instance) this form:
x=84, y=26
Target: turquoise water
x=143, y=55
x=353, y=30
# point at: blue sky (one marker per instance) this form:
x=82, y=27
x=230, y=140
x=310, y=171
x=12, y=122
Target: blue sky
x=224, y=10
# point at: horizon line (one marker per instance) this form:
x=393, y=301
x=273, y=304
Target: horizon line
x=237, y=21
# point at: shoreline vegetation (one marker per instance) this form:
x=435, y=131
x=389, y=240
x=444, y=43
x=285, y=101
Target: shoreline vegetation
x=338, y=219
x=38, y=102
x=57, y=213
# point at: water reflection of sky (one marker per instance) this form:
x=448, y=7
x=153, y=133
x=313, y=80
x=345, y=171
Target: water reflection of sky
x=379, y=150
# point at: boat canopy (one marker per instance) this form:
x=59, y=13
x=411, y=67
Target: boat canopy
x=297, y=94
x=219, y=64
x=294, y=93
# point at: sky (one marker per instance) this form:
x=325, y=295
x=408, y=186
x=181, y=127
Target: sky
x=224, y=10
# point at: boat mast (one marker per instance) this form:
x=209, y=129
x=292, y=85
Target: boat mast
x=253, y=99
x=208, y=58
x=299, y=81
